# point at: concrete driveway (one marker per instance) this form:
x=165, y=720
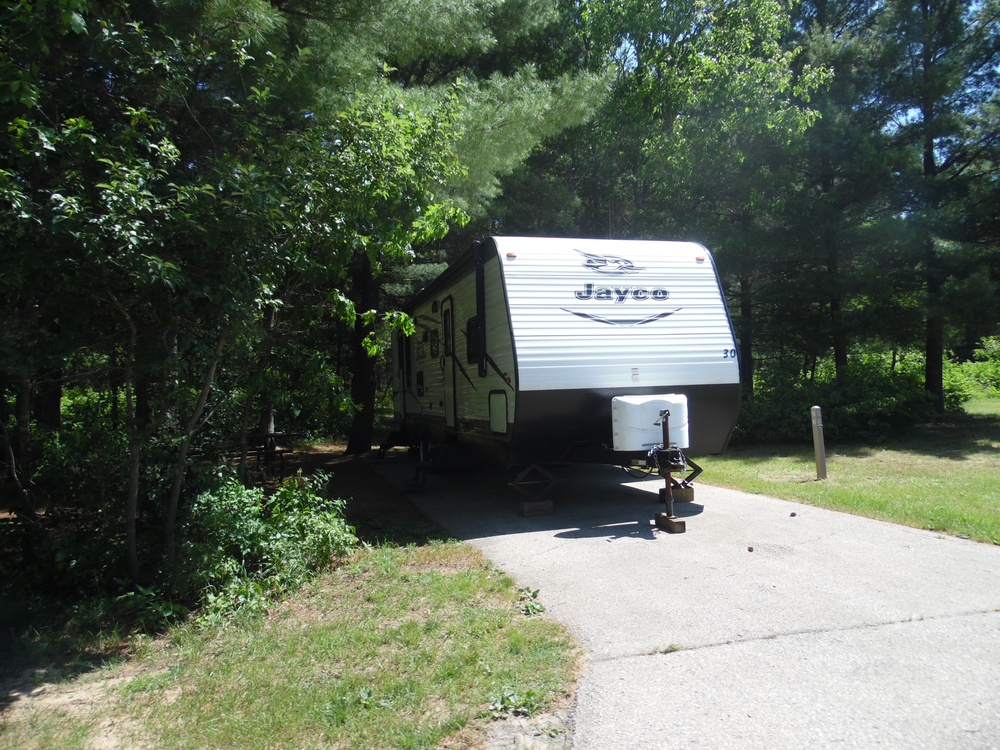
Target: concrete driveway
x=768, y=624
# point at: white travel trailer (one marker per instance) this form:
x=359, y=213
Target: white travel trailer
x=523, y=344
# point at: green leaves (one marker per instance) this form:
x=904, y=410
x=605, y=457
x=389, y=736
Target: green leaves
x=249, y=549
x=512, y=702
x=529, y=604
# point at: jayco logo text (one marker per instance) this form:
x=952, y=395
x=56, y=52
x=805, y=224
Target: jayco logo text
x=621, y=293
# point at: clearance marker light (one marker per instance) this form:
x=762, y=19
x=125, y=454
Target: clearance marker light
x=511, y=255
x=700, y=258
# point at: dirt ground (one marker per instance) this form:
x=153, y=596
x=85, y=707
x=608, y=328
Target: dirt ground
x=379, y=513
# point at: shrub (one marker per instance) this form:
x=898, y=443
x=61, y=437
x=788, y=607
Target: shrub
x=979, y=376
x=243, y=548
x=871, y=404
x=985, y=369
x=959, y=384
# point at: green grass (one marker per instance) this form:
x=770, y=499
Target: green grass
x=402, y=647
x=983, y=406
x=943, y=476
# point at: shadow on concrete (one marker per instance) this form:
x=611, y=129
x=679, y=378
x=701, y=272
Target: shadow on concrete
x=588, y=501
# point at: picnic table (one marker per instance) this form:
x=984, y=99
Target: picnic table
x=266, y=448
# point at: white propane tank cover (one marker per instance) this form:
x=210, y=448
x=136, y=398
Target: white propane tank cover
x=634, y=418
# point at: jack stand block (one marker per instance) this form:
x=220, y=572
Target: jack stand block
x=667, y=521
x=536, y=507
x=670, y=524
x=683, y=494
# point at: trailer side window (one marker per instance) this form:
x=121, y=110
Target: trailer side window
x=471, y=340
x=406, y=354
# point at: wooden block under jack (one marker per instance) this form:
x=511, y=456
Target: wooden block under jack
x=683, y=494
x=670, y=524
x=536, y=507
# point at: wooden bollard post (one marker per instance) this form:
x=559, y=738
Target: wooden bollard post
x=818, y=443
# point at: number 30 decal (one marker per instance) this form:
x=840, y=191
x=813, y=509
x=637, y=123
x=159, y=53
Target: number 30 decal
x=729, y=354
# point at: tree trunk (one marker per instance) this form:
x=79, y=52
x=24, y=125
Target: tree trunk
x=265, y=420
x=48, y=400
x=837, y=329
x=134, y=456
x=22, y=426
x=746, y=335
x=132, y=501
x=143, y=400
x=934, y=343
x=363, y=378
x=241, y=470
x=25, y=506
x=180, y=467
x=134, y=445
x=840, y=362
x=114, y=394
x=934, y=366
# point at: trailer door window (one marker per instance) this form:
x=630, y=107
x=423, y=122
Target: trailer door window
x=471, y=340
x=449, y=337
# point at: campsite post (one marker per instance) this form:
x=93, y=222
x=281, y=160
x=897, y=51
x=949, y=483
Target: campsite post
x=818, y=442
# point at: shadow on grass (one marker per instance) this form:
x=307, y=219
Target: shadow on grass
x=43, y=640
x=959, y=437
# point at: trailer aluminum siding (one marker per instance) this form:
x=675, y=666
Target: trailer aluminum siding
x=439, y=391
x=572, y=323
